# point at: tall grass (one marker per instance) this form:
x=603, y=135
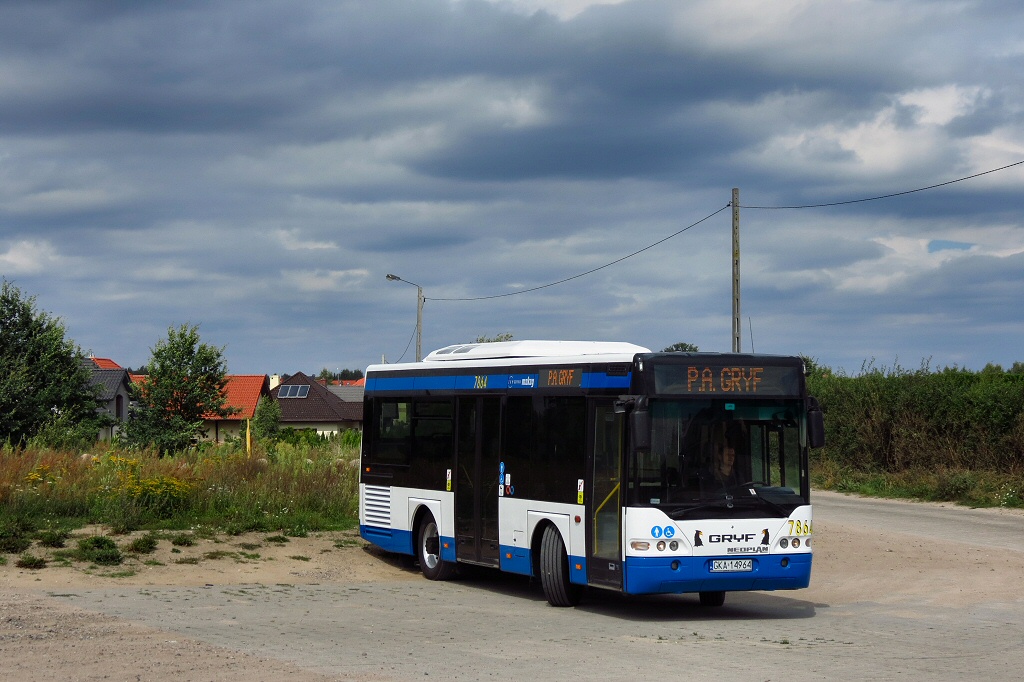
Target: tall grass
x=294, y=489
x=949, y=434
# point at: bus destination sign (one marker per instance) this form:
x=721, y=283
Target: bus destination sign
x=561, y=377
x=727, y=380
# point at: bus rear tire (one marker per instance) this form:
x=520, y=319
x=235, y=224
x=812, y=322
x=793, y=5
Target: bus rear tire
x=428, y=544
x=554, y=571
x=712, y=598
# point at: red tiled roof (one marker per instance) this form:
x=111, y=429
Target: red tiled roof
x=105, y=363
x=243, y=392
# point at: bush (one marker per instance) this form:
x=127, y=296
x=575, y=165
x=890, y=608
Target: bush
x=99, y=549
x=30, y=561
x=895, y=419
x=143, y=545
x=52, y=538
x=10, y=544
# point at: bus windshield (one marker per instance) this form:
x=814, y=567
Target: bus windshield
x=721, y=458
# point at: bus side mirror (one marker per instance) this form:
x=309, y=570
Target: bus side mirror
x=640, y=429
x=815, y=424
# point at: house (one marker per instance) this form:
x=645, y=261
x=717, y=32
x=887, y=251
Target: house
x=243, y=393
x=114, y=392
x=348, y=392
x=307, y=404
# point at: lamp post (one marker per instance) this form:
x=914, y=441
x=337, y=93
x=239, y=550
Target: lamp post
x=419, y=313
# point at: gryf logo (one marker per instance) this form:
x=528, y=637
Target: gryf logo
x=727, y=537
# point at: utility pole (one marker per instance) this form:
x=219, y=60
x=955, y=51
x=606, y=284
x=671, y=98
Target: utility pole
x=737, y=325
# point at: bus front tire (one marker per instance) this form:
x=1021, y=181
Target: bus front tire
x=554, y=571
x=712, y=598
x=428, y=544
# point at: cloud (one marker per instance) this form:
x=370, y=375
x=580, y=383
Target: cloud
x=172, y=162
x=27, y=257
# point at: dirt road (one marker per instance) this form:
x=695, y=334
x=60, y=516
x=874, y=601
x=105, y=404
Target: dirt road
x=896, y=594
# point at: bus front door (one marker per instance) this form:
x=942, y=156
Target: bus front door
x=476, y=488
x=604, y=522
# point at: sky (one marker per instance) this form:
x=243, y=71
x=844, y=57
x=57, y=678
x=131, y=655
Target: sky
x=257, y=168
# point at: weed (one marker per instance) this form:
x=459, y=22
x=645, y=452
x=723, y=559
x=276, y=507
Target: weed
x=52, y=538
x=299, y=557
x=14, y=544
x=190, y=560
x=183, y=540
x=99, y=550
x=30, y=561
x=279, y=539
x=143, y=545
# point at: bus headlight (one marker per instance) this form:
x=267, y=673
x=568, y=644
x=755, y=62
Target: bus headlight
x=673, y=546
x=796, y=542
x=639, y=545
x=661, y=545
x=783, y=543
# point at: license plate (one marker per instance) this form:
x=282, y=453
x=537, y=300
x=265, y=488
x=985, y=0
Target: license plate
x=731, y=565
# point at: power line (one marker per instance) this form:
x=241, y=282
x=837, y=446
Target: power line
x=588, y=272
x=885, y=196
x=711, y=215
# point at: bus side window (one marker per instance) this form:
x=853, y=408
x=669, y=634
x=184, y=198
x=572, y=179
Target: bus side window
x=394, y=435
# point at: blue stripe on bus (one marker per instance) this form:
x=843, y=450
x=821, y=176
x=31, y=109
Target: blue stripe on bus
x=388, y=539
x=465, y=382
x=401, y=541
x=516, y=560
x=519, y=560
x=655, y=575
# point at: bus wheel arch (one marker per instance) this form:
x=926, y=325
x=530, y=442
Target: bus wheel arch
x=551, y=564
x=427, y=546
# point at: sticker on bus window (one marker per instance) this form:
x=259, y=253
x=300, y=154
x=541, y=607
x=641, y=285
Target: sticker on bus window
x=579, y=491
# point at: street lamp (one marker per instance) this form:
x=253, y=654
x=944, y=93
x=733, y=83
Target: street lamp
x=419, y=313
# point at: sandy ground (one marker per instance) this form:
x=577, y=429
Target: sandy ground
x=43, y=639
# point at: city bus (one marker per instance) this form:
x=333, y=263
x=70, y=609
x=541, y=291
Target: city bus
x=593, y=464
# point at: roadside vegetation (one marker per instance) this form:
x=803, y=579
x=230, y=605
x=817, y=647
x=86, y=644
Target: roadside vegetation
x=942, y=435
x=291, y=487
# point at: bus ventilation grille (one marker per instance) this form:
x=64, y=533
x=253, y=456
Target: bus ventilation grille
x=377, y=506
x=618, y=370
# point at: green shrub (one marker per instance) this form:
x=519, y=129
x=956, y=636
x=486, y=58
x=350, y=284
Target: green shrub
x=14, y=544
x=100, y=550
x=30, y=561
x=52, y=538
x=145, y=544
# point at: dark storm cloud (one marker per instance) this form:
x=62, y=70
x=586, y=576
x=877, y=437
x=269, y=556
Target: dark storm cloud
x=258, y=167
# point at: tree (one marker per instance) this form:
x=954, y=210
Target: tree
x=185, y=385
x=681, y=347
x=45, y=388
x=267, y=418
x=504, y=336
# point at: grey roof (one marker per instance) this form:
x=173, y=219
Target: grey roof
x=350, y=394
x=320, y=405
x=110, y=381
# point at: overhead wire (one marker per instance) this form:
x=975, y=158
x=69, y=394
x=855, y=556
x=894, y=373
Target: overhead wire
x=884, y=196
x=708, y=217
x=588, y=272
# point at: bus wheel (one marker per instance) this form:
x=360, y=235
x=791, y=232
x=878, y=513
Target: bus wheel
x=712, y=598
x=429, y=545
x=554, y=571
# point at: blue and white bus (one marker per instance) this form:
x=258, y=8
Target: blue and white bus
x=594, y=464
